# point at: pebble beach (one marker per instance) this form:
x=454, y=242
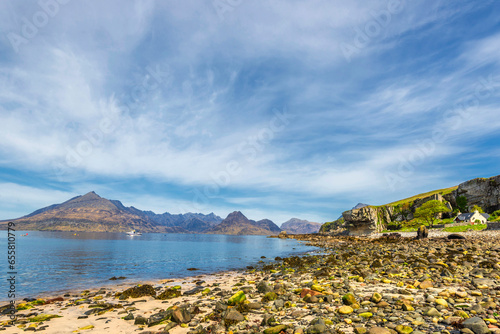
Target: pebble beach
x=375, y=285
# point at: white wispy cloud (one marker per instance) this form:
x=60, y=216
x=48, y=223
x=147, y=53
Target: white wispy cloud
x=172, y=92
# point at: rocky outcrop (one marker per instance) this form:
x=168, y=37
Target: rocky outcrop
x=370, y=219
x=482, y=192
x=362, y=221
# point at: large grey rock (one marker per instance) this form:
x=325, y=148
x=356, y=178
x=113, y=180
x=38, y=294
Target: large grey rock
x=181, y=315
x=159, y=317
x=361, y=221
x=482, y=192
x=263, y=287
x=233, y=316
x=477, y=325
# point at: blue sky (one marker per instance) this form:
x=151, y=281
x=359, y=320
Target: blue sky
x=279, y=109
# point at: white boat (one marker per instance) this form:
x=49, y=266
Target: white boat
x=133, y=233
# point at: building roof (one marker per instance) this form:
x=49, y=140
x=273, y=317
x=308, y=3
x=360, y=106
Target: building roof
x=468, y=216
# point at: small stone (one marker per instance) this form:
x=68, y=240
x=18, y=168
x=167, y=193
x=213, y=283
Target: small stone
x=360, y=330
x=349, y=299
x=270, y=296
x=345, y=310
x=426, y=284
x=305, y=292
x=376, y=297
x=378, y=330
x=408, y=308
x=254, y=306
x=466, y=331
x=433, y=313
x=275, y=329
x=441, y=302
x=237, y=298
x=401, y=329
x=383, y=304
x=317, y=287
x=462, y=314
x=263, y=287
x=233, y=316
x=140, y=320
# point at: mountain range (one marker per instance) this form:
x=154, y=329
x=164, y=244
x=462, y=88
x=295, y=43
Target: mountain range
x=236, y=223
x=90, y=212
x=299, y=226
x=93, y=213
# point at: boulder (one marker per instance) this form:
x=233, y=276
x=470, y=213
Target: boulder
x=361, y=221
x=159, y=317
x=238, y=298
x=477, y=325
x=422, y=232
x=232, y=317
x=181, y=315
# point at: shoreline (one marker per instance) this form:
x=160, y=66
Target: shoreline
x=304, y=293
x=30, y=286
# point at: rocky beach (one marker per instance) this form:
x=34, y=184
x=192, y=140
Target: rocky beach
x=376, y=285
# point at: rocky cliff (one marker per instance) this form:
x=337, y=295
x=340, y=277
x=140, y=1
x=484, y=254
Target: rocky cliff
x=484, y=192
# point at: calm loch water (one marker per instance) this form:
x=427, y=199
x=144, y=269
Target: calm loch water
x=58, y=261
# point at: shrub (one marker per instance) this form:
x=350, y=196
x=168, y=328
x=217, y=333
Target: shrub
x=494, y=216
x=477, y=208
x=462, y=203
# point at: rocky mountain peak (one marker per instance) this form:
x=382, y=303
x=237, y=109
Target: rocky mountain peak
x=90, y=196
x=236, y=215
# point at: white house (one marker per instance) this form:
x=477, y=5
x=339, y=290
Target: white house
x=472, y=217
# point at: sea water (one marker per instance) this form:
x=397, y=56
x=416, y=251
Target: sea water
x=49, y=262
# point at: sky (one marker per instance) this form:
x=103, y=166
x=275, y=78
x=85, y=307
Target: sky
x=278, y=109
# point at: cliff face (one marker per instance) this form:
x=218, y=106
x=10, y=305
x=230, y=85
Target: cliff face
x=362, y=221
x=372, y=219
x=482, y=192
